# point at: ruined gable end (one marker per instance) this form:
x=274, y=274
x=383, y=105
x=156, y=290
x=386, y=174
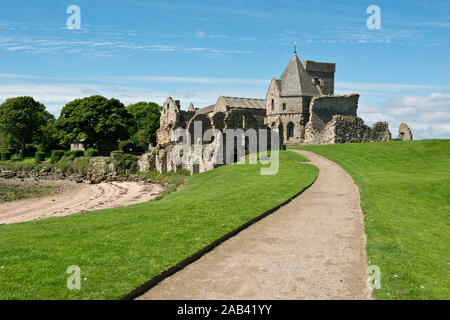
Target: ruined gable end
x=404, y=132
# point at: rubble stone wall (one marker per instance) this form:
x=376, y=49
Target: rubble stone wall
x=345, y=129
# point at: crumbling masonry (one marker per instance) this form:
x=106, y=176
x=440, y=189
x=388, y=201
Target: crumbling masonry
x=300, y=106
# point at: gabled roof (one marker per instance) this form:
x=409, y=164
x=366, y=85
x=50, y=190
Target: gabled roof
x=295, y=81
x=277, y=82
x=245, y=103
x=207, y=109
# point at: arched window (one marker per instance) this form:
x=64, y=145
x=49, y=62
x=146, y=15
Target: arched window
x=273, y=104
x=290, y=130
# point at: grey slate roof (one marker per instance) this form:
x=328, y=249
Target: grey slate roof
x=207, y=109
x=295, y=81
x=278, y=83
x=245, y=103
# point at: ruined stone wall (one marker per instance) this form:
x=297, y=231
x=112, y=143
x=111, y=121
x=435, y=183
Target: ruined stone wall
x=404, y=132
x=163, y=135
x=323, y=109
x=347, y=129
x=380, y=132
x=170, y=113
x=171, y=119
x=333, y=119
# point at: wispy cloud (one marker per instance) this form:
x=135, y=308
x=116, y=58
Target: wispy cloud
x=104, y=41
x=147, y=79
x=189, y=80
x=357, y=33
x=202, y=34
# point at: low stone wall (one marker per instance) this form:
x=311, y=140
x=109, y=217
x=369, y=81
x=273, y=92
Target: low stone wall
x=344, y=129
x=90, y=177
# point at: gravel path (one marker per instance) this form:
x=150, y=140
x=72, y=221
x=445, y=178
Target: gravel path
x=312, y=248
x=82, y=197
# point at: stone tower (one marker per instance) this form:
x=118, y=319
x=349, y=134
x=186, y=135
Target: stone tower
x=288, y=99
x=322, y=75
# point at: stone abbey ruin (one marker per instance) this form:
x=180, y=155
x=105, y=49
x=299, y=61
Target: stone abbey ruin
x=300, y=107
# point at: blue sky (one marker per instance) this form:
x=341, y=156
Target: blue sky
x=197, y=50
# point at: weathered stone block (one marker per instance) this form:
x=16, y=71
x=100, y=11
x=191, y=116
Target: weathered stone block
x=404, y=132
x=147, y=162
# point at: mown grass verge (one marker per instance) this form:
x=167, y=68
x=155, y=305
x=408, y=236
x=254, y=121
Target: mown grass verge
x=119, y=249
x=405, y=196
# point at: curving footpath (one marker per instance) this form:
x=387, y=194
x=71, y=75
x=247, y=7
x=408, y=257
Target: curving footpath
x=312, y=248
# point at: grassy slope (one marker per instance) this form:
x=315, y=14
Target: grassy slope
x=118, y=249
x=405, y=194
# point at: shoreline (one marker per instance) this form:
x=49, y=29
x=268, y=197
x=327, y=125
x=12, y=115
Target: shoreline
x=74, y=198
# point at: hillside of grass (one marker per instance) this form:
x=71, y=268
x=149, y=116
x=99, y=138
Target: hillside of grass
x=119, y=249
x=405, y=197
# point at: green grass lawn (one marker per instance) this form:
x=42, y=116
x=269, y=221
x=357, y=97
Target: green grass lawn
x=119, y=249
x=405, y=195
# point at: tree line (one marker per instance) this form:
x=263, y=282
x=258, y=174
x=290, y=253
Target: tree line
x=95, y=121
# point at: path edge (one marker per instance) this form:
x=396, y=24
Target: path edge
x=146, y=286
x=362, y=217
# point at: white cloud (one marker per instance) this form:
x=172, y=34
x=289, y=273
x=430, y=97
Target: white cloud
x=383, y=87
x=427, y=116
x=55, y=96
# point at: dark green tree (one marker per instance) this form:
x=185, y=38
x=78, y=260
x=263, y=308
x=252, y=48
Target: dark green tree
x=146, y=121
x=21, y=119
x=95, y=120
x=48, y=139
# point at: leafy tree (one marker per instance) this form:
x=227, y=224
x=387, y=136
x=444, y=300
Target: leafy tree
x=7, y=142
x=47, y=139
x=146, y=121
x=95, y=120
x=20, y=120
